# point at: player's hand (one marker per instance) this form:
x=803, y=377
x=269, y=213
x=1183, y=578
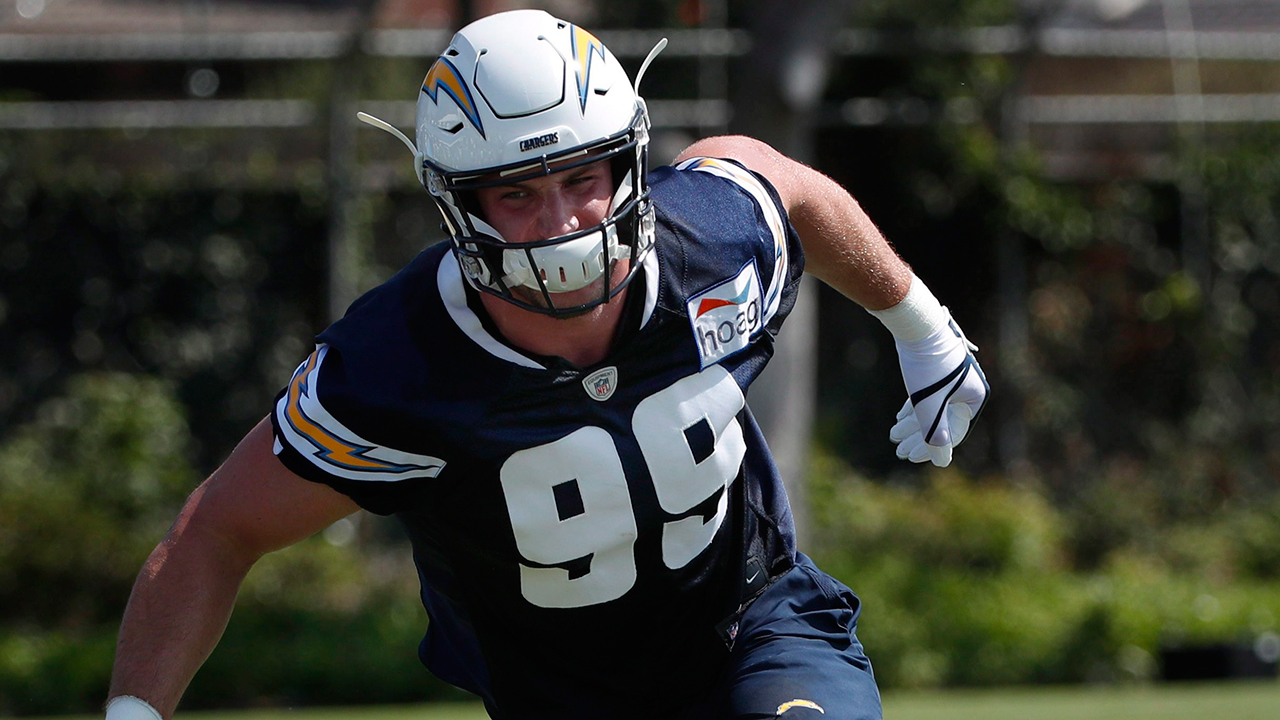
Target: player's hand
x=946, y=389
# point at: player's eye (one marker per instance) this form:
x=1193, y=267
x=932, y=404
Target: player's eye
x=583, y=180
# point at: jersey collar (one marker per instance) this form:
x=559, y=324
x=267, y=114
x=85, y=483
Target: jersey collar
x=453, y=292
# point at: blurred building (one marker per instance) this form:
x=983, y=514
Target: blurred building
x=1114, y=82
x=1107, y=84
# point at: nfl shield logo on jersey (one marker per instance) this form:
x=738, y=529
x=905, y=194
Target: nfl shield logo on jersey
x=601, y=383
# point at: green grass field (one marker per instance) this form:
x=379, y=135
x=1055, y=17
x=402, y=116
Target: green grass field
x=1235, y=701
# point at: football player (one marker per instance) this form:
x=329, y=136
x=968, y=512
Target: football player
x=553, y=406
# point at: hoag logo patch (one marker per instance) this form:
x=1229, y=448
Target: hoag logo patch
x=726, y=316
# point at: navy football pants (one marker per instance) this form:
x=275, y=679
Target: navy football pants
x=796, y=656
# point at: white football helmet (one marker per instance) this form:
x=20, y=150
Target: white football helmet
x=520, y=95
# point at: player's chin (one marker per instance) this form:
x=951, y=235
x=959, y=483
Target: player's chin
x=574, y=298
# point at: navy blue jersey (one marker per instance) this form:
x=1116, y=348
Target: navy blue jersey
x=584, y=536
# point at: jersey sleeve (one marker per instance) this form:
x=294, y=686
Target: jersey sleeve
x=312, y=440
x=782, y=263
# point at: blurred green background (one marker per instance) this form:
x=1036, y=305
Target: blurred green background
x=1092, y=186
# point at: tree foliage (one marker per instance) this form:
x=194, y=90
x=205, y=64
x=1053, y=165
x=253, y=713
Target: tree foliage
x=976, y=583
x=217, y=291
x=1146, y=389
x=86, y=490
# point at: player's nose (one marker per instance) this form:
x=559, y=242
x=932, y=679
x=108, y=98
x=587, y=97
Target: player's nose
x=558, y=216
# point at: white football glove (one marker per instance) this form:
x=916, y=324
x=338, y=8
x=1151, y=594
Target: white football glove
x=947, y=391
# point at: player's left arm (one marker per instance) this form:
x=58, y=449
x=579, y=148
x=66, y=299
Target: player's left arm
x=844, y=249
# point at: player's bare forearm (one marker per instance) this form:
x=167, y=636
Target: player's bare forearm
x=178, y=609
x=183, y=597
x=842, y=246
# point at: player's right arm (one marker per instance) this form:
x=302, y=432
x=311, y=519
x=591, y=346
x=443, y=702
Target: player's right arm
x=183, y=596
x=945, y=386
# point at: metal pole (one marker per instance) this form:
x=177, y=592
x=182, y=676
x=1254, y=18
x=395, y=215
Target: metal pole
x=342, y=247
x=1185, y=66
x=713, y=70
x=778, y=91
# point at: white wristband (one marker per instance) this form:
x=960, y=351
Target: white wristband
x=916, y=316
x=128, y=707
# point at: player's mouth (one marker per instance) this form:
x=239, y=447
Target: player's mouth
x=564, y=299
x=572, y=298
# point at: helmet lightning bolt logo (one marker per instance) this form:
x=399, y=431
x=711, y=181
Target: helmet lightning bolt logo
x=330, y=448
x=444, y=76
x=584, y=46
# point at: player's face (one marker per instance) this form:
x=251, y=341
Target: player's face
x=544, y=207
x=550, y=206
